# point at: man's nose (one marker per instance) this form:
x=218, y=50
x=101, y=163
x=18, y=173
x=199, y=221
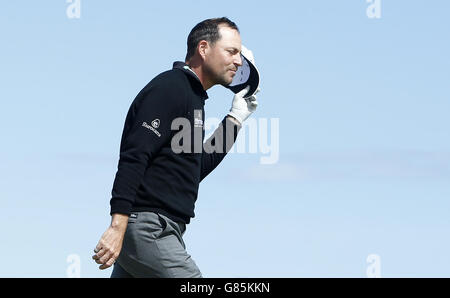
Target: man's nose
x=238, y=60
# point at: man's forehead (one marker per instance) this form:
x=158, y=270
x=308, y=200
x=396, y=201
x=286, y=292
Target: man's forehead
x=229, y=37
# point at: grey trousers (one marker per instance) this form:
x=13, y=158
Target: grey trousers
x=153, y=247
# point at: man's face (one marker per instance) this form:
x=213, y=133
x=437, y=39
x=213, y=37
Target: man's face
x=223, y=58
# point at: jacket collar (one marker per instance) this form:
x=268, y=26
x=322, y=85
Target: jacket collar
x=190, y=73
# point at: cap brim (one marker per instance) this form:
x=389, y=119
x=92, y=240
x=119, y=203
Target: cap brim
x=246, y=74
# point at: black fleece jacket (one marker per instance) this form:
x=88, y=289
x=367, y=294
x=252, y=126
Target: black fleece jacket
x=151, y=175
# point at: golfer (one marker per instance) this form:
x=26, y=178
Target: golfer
x=163, y=158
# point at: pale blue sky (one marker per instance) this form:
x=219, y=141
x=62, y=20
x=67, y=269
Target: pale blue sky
x=363, y=106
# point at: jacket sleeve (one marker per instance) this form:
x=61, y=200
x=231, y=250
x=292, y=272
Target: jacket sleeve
x=218, y=145
x=147, y=128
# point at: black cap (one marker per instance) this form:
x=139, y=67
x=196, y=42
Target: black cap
x=246, y=74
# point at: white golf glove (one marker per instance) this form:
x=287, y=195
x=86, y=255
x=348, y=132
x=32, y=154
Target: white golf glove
x=241, y=107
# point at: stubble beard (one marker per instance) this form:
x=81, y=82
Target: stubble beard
x=220, y=79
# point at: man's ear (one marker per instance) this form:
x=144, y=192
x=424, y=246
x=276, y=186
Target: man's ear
x=203, y=48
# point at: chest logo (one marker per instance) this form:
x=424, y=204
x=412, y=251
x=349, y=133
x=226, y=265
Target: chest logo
x=198, y=122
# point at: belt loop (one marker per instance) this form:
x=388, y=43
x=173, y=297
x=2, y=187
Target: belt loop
x=182, y=226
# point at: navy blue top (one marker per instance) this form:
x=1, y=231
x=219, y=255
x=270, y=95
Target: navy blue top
x=151, y=176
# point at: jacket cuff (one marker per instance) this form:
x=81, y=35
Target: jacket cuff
x=120, y=206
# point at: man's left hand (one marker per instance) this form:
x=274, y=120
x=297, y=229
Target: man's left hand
x=242, y=107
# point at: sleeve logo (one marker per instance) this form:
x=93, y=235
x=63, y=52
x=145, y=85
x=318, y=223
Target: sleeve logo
x=155, y=123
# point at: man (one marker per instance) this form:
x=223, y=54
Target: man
x=161, y=166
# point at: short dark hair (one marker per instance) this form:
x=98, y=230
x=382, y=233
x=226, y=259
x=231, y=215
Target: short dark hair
x=206, y=30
